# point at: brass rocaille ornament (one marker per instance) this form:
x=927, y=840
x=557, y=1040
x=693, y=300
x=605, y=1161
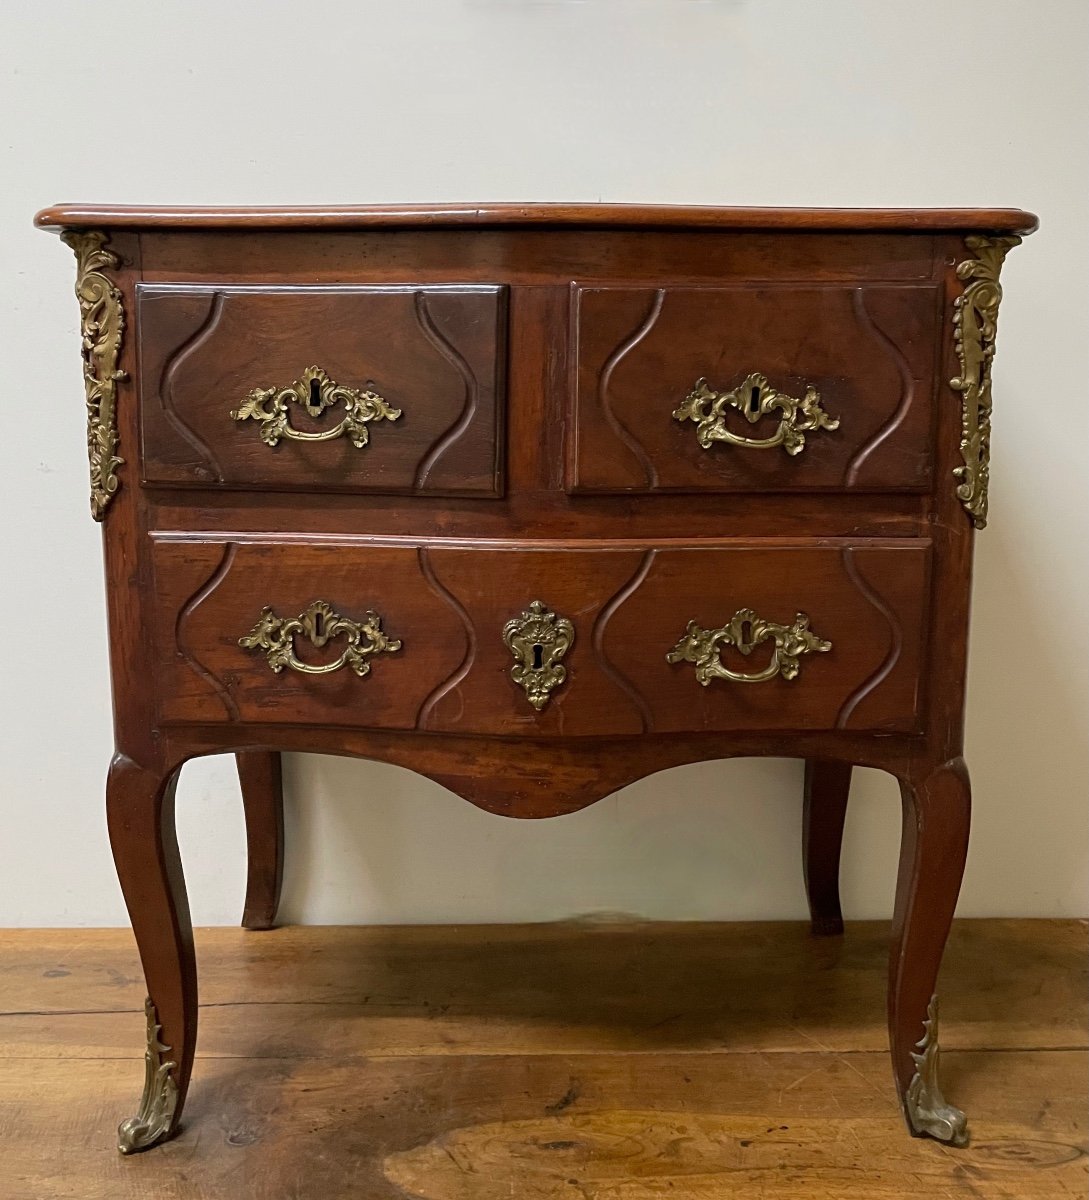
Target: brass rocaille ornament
x=927, y=1109
x=319, y=623
x=975, y=323
x=314, y=391
x=745, y=631
x=754, y=398
x=154, y=1120
x=102, y=322
x=538, y=639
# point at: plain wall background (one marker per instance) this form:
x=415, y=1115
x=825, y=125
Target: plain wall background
x=779, y=102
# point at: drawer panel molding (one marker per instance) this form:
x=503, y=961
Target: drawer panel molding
x=218, y=361
x=833, y=632
x=848, y=372
x=862, y=604
x=303, y=660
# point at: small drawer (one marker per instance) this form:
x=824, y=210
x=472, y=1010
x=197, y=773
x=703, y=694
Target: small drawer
x=323, y=389
x=759, y=388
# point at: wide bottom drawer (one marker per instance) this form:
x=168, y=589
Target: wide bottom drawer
x=544, y=640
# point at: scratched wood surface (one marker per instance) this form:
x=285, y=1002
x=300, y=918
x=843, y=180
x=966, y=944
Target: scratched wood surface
x=574, y=1061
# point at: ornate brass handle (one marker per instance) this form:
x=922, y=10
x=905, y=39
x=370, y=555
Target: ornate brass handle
x=538, y=639
x=744, y=631
x=316, y=392
x=754, y=398
x=320, y=623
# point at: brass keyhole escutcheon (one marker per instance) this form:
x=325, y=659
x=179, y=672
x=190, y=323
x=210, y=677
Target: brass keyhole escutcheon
x=538, y=639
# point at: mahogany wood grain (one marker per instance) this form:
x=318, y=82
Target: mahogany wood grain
x=212, y=594
x=541, y=516
x=934, y=845
x=261, y=780
x=140, y=815
x=629, y=605
x=533, y=256
x=436, y=355
x=505, y=775
x=824, y=811
x=869, y=352
x=490, y=587
x=501, y=331
x=868, y=600
x=995, y=220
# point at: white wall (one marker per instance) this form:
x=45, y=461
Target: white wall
x=844, y=102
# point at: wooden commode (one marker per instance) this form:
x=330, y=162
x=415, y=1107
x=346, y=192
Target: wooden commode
x=537, y=500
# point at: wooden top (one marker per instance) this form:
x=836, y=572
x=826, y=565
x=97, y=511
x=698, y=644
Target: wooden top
x=629, y=216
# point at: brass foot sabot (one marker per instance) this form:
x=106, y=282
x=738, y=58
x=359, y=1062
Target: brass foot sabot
x=154, y=1122
x=927, y=1110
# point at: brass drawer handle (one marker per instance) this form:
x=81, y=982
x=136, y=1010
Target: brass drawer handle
x=538, y=639
x=319, y=623
x=744, y=631
x=754, y=398
x=316, y=392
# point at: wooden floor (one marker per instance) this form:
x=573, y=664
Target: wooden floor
x=576, y=1062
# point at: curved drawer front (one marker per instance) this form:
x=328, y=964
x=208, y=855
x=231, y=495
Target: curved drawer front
x=270, y=632
x=760, y=388
x=615, y=639
x=383, y=389
x=813, y=636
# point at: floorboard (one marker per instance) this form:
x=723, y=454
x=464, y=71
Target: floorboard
x=571, y=1061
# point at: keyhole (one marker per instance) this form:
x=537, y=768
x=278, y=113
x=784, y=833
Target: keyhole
x=319, y=626
x=315, y=394
x=538, y=656
x=754, y=401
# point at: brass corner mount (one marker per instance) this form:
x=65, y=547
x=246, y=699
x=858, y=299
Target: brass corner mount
x=102, y=324
x=975, y=324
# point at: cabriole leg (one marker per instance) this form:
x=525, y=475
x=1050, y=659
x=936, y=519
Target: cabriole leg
x=140, y=813
x=827, y=785
x=936, y=817
x=259, y=774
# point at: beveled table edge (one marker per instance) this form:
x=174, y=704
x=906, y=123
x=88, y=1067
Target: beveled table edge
x=446, y=216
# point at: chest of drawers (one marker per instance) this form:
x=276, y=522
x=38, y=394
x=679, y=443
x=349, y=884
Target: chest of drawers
x=537, y=501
